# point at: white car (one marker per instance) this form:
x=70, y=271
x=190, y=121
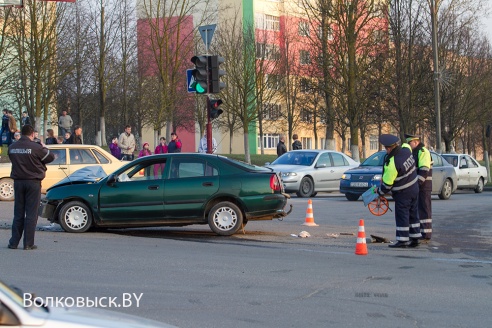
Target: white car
x=471, y=175
x=13, y=312
x=308, y=171
x=68, y=159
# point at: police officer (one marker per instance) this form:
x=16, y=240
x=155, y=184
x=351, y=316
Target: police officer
x=423, y=160
x=400, y=177
x=28, y=170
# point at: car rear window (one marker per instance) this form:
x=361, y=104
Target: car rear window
x=243, y=165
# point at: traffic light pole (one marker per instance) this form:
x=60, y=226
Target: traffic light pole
x=209, y=127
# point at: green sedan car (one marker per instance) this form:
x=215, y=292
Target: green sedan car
x=167, y=190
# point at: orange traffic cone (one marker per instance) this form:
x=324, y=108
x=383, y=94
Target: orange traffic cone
x=309, y=215
x=361, y=246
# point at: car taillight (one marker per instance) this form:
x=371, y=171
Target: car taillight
x=275, y=183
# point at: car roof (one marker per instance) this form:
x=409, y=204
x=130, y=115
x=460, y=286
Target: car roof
x=57, y=146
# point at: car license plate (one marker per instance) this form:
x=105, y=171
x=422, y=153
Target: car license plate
x=359, y=184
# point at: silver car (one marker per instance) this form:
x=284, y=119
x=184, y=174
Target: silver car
x=471, y=175
x=307, y=172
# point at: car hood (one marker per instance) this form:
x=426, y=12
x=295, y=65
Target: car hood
x=288, y=168
x=89, y=174
x=366, y=170
x=94, y=317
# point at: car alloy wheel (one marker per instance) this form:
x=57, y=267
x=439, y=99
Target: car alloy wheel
x=225, y=218
x=6, y=189
x=306, y=188
x=75, y=217
x=447, y=190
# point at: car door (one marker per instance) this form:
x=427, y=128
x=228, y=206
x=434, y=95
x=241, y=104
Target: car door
x=464, y=172
x=473, y=171
x=56, y=170
x=191, y=182
x=340, y=165
x=136, y=196
x=322, y=172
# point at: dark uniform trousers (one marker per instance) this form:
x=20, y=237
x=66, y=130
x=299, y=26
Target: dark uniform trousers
x=425, y=212
x=406, y=214
x=27, y=197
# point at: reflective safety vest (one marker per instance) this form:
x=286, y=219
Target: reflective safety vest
x=423, y=160
x=399, y=170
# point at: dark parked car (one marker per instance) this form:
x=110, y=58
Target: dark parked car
x=168, y=190
x=355, y=181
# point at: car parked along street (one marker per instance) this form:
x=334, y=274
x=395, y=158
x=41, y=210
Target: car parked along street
x=309, y=171
x=471, y=175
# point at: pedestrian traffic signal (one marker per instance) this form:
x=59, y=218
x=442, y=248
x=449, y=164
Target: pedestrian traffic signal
x=215, y=85
x=215, y=111
x=200, y=74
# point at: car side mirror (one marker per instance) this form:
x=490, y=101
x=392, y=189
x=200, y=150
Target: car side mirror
x=320, y=165
x=111, y=179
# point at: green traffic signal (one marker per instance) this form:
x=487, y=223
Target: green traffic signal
x=200, y=74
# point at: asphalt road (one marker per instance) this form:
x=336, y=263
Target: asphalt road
x=266, y=277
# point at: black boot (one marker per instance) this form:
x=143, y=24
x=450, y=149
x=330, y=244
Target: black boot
x=399, y=244
x=414, y=243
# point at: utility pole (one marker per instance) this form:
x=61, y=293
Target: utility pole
x=437, y=101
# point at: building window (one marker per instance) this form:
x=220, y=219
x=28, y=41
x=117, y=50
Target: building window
x=267, y=22
x=273, y=82
x=305, y=57
x=267, y=51
x=306, y=143
x=305, y=86
x=272, y=23
x=373, y=142
x=306, y=116
x=270, y=141
x=328, y=33
x=303, y=28
x=271, y=111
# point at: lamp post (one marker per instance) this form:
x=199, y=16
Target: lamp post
x=437, y=104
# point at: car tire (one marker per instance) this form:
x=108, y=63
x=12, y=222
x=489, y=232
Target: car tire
x=479, y=188
x=225, y=218
x=447, y=190
x=306, y=189
x=6, y=189
x=75, y=217
x=351, y=197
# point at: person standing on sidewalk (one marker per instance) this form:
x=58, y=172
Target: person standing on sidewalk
x=126, y=142
x=29, y=161
x=64, y=123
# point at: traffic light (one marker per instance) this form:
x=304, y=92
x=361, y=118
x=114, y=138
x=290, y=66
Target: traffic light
x=215, y=85
x=200, y=74
x=215, y=111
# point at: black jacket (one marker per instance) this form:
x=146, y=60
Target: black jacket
x=28, y=159
x=296, y=145
x=74, y=139
x=281, y=149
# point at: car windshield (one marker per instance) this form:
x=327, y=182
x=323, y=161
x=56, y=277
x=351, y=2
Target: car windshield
x=375, y=159
x=296, y=158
